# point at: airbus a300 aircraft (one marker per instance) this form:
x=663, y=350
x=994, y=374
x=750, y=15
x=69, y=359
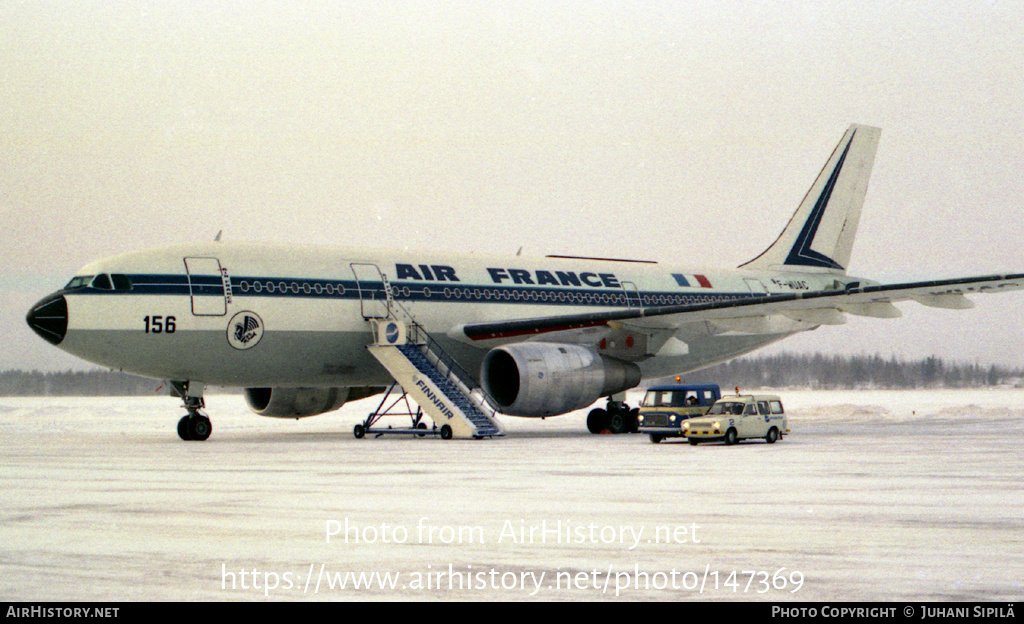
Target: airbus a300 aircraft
x=304, y=329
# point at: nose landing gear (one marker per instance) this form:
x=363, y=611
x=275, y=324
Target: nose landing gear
x=194, y=426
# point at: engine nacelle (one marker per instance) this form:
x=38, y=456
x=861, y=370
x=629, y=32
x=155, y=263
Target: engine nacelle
x=295, y=402
x=546, y=379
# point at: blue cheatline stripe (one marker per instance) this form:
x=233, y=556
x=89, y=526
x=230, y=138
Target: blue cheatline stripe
x=286, y=287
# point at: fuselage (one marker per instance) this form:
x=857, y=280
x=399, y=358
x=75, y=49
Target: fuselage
x=240, y=314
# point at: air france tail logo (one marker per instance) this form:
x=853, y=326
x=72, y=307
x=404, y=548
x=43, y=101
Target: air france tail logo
x=801, y=254
x=245, y=330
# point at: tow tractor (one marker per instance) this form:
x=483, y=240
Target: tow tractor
x=666, y=407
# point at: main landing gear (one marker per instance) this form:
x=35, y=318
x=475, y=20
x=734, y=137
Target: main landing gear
x=194, y=426
x=616, y=417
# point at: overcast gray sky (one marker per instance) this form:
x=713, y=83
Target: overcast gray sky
x=597, y=128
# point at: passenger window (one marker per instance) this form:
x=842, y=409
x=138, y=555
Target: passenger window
x=750, y=411
x=762, y=407
x=776, y=407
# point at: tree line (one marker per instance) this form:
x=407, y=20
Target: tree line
x=786, y=370
x=75, y=383
x=818, y=371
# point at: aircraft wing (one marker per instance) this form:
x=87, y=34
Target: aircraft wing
x=811, y=307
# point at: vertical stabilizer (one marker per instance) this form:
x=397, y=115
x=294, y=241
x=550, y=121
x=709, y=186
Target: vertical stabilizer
x=820, y=234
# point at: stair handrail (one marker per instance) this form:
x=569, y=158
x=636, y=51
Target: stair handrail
x=453, y=370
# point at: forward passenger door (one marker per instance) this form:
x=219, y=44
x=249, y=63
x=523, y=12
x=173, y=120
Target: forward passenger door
x=206, y=286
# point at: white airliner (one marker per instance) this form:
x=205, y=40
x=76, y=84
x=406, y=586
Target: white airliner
x=302, y=328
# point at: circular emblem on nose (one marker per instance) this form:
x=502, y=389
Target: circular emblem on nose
x=245, y=330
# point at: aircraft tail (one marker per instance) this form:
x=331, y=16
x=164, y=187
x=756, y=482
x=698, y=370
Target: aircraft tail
x=819, y=236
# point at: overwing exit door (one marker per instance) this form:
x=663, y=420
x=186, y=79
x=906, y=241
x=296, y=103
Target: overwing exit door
x=632, y=295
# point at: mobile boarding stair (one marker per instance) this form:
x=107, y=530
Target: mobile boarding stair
x=424, y=372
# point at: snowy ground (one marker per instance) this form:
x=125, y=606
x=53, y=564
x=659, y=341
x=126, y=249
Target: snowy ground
x=875, y=496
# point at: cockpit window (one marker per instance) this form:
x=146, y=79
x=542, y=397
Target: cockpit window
x=103, y=281
x=79, y=281
x=121, y=282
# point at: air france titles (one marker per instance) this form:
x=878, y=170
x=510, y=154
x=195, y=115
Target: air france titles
x=510, y=276
x=428, y=272
x=554, y=278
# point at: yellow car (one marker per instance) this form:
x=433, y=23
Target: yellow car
x=738, y=418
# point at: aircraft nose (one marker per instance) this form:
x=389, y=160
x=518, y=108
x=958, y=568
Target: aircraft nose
x=49, y=318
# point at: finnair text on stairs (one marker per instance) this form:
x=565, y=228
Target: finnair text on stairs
x=434, y=398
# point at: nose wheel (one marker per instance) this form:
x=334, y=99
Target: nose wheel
x=194, y=426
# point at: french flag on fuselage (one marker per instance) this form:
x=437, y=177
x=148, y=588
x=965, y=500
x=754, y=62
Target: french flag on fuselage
x=691, y=281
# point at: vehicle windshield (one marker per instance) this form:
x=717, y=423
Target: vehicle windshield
x=674, y=398
x=660, y=398
x=727, y=407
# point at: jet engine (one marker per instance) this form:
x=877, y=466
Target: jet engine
x=299, y=402
x=546, y=379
